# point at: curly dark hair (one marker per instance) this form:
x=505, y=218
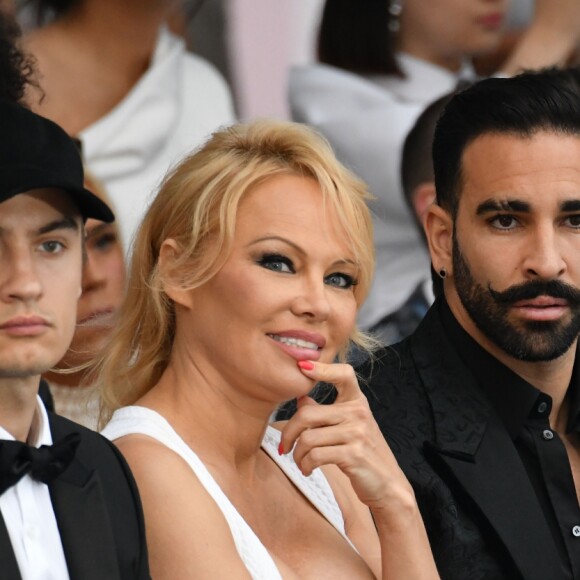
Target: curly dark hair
x=16, y=67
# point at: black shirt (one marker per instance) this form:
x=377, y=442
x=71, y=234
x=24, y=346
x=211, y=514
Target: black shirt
x=525, y=412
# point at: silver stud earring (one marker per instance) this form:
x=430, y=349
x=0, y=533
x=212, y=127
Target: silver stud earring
x=395, y=9
x=442, y=273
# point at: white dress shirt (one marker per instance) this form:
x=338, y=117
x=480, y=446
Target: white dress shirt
x=27, y=511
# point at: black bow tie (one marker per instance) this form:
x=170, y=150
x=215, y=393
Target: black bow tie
x=44, y=463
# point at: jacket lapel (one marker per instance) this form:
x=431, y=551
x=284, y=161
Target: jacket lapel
x=85, y=529
x=474, y=451
x=8, y=564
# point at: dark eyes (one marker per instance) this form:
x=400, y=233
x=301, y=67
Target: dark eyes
x=504, y=222
x=508, y=222
x=279, y=263
x=573, y=221
x=104, y=242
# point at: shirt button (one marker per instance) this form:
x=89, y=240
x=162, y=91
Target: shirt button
x=548, y=435
x=30, y=531
x=576, y=531
x=542, y=407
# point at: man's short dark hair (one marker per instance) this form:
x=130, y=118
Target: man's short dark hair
x=417, y=164
x=416, y=160
x=546, y=100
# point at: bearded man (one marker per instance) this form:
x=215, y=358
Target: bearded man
x=481, y=404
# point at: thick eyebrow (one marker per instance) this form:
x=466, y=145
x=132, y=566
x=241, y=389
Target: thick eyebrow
x=494, y=205
x=570, y=205
x=97, y=230
x=299, y=249
x=66, y=223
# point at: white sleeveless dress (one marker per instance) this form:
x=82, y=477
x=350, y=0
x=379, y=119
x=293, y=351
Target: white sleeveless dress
x=253, y=553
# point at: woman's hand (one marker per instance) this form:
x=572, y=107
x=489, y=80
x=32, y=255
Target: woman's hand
x=551, y=39
x=345, y=434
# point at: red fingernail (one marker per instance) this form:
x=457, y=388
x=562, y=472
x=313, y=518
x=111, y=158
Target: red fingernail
x=306, y=365
x=280, y=449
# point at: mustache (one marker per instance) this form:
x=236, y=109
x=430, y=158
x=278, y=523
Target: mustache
x=535, y=288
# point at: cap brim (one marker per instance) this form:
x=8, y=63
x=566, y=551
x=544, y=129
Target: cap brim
x=89, y=204
x=92, y=206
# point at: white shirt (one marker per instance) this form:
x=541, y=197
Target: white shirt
x=172, y=109
x=27, y=511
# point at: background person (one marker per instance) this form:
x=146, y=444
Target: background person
x=246, y=276
x=113, y=75
x=419, y=193
x=103, y=290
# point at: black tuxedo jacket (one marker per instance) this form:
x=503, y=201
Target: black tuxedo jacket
x=480, y=509
x=98, y=512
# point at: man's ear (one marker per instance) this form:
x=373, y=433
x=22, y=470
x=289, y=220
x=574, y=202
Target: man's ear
x=422, y=198
x=169, y=253
x=439, y=232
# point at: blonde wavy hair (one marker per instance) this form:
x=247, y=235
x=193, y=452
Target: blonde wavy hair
x=197, y=206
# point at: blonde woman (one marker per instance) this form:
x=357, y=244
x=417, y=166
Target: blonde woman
x=247, y=274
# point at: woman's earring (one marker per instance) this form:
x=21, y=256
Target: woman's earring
x=442, y=273
x=395, y=9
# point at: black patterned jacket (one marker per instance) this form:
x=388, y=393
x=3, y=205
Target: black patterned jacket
x=480, y=509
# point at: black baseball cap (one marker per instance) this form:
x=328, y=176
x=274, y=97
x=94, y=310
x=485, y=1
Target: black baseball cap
x=37, y=153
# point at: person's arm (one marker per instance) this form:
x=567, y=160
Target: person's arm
x=550, y=40
x=346, y=435
x=187, y=534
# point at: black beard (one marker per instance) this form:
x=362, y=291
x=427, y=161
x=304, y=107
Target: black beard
x=531, y=341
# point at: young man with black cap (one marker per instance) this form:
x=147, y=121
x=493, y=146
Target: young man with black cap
x=68, y=503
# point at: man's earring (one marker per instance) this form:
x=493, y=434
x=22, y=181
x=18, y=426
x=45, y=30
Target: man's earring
x=442, y=273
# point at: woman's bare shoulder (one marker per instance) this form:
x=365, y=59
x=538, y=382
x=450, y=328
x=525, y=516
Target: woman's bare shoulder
x=188, y=535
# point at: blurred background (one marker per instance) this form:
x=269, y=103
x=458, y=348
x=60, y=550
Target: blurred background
x=254, y=42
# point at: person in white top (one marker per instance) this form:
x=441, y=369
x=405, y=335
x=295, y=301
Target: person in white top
x=418, y=183
x=114, y=76
x=246, y=276
x=382, y=63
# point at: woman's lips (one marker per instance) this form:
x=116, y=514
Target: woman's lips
x=299, y=345
x=491, y=21
x=98, y=318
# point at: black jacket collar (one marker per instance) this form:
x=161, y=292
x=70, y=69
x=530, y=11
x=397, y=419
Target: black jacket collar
x=82, y=518
x=472, y=449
